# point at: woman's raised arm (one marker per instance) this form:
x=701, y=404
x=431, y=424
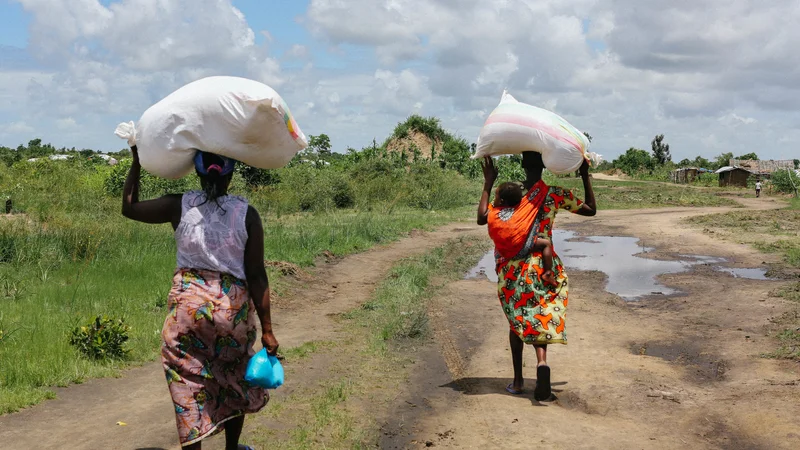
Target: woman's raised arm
x=489, y=177
x=161, y=210
x=589, y=207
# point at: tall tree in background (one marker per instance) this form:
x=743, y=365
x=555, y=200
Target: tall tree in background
x=749, y=156
x=588, y=136
x=723, y=160
x=320, y=144
x=660, y=150
x=635, y=161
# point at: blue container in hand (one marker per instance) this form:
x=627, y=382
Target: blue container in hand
x=264, y=370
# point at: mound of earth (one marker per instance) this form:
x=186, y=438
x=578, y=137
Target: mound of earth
x=616, y=173
x=414, y=139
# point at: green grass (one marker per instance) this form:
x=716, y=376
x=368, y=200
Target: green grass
x=640, y=194
x=305, y=350
x=789, y=346
x=772, y=231
x=398, y=310
x=790, y=292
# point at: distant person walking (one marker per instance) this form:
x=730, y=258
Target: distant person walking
x=758, y=189
x=219, y=293
x=535, y=309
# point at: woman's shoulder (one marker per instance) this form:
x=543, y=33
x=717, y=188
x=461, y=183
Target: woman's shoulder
x=236, y=198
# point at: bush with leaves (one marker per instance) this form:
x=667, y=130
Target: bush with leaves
x=151, y=186
x=785, y=181
x=635, y=161
x=429, y=126
x=102, y=338
x=254, y=177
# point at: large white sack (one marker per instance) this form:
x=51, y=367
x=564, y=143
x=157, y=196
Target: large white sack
x=515, y=127
x=234, y=117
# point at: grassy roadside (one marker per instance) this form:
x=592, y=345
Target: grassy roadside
x=365, y=367
x=639, y=194
x=773, y=231
x=55, y=277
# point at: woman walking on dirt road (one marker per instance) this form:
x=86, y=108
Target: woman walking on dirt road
x=536, y=311
x=219, y=287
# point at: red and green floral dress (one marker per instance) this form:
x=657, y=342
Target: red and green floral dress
x=536, y=312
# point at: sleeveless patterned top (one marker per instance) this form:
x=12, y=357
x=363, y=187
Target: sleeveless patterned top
x=210, y=237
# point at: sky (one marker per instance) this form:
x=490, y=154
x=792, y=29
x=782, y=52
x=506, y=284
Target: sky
x=712, y=76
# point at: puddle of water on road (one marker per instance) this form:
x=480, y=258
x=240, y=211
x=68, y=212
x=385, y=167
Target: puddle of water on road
x=485, y=267
x=629, y=276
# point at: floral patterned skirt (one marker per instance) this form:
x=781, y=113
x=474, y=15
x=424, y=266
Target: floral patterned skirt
x=536, y=312
x=208, y=339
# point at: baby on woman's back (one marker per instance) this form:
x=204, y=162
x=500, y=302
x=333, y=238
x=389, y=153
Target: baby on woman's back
x=509, y=195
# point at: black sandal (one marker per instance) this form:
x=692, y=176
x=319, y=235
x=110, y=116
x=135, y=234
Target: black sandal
x=542, y=391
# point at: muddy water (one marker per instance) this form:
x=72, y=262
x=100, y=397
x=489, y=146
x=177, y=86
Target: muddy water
x=630, y=275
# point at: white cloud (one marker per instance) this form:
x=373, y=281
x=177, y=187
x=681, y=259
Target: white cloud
x=623, y=69
x=298, y=51
x=67, y=123
x=16, y=128
x=711, y=77
x=118, y=60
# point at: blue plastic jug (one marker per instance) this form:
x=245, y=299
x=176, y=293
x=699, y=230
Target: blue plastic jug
x=264, y=370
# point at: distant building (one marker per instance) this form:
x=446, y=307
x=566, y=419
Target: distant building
x=762, y=169
x=684, y=175
x=733, y=176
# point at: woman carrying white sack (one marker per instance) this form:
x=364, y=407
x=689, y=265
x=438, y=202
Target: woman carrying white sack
x=514, y=128
x=220, y=290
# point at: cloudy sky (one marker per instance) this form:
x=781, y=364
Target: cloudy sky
x=711, y=75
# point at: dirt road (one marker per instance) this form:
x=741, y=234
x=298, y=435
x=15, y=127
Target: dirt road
x=682, y=372
x=678, y=372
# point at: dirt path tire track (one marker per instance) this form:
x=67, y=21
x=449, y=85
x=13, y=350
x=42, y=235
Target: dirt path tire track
x=721, y=395
x=85, y=416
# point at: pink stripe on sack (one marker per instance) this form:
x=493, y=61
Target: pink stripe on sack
x=527, y=122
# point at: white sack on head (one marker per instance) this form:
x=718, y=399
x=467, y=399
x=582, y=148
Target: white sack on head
x=229, y=116
x=514, y=127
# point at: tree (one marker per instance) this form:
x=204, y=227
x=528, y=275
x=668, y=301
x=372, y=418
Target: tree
x=723, y=160
x=588, y=136
x=685, y=162
x=634, y=160
x=660, y=150
x=320, y=144
x=701, y=162
x=455, y=154
x=785, y=181
x=748, y=156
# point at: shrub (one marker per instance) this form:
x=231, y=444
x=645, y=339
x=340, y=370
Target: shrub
x=429, y=126
x=150, y=186
x=254, y=177
x=343, y=193
x=101, y=339
x=785, y=181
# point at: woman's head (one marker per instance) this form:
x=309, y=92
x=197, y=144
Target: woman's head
x=508, y=194
x=215, y=173
x=533, y=165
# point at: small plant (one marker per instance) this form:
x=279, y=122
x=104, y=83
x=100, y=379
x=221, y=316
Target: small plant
x=103, y=338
